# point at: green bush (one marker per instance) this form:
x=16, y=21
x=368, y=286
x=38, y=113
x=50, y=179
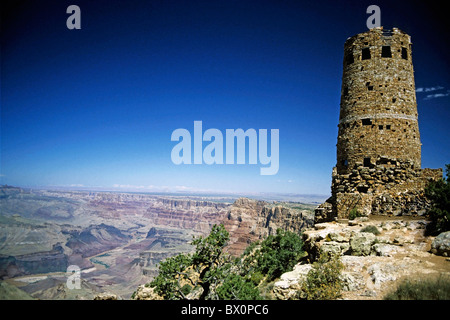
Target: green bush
x=235, y=287
x=210, y=273
x=256, y=277
x=426, y=289
x=439, y=194
x=183, y=273
x=371, y=229
x=323, y=281
x=353, y=214
x=278, y=254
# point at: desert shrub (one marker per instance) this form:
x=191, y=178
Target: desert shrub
x=371, y=229
x=425, y=289
x=256, y=277
x=205, y=267
x=439, y=194
x=235, y=287
x=210, y=273
x=323, y=281
x=353, y=214
x=278, y=254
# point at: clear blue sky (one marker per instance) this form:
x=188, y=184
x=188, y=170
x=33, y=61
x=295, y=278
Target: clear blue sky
x=96, y=107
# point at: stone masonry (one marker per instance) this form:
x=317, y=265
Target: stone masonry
x=378, y=169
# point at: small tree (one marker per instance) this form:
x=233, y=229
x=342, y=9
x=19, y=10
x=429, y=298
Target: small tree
x=171, y=278
x=439, y=194
x=278, y=254
x=184, y=273
x=209, y=273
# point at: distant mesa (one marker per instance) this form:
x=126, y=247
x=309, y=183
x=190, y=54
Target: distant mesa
x=96, y=239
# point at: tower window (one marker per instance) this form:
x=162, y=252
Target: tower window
x=370, y=88
x=365, y=54
x=386, y=52
x=367, y=162
x=345, y=91
x=380, y=127
x=388, y=127
x=349, y=58
x=405, y=53
x=363, y=189
x=366, y=122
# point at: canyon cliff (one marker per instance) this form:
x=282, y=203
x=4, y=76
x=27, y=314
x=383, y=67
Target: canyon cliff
x=250, y=220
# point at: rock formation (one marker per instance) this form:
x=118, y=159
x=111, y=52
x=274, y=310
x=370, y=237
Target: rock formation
x=441, y=245
x=95, y=239
x=144, y=292
x=240, y=222
x=186, y=214
x=250, y=220
x=373, y=264
x=164, y=243
x=39, y=262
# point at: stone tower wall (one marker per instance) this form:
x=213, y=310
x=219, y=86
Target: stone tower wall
x=397, y=190
x=378, y=112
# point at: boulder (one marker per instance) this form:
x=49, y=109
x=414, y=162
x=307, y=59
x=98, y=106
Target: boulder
x=352, y=281
x=441, y=244
x=146, y=293
x=334, y=248
x=361, y=243
x=380, y=273
x=339, y=236
x=107, y=296
x=384, y=249
x=290, y=282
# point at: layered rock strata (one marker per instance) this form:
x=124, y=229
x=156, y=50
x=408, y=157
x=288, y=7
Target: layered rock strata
x=251, y=220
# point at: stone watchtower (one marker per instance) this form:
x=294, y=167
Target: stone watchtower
x=378, y=169
x=378, y=117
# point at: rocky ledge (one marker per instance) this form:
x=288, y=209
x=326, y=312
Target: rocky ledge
x=377, y=253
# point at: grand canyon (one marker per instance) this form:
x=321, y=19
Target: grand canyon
x=117, y=238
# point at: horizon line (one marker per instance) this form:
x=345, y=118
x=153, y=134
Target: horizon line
x=174, y=192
